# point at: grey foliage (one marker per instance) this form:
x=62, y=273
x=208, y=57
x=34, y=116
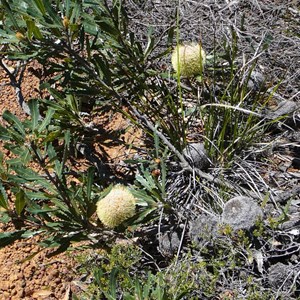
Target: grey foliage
x=169, y=243
x=241, y=213
x=281, y=276
x=256, y=81
x=203, y=229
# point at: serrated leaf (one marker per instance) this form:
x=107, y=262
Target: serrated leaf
x=28, y=174
x=4, y=134
x=3, y=197
x=46, y=121
x=34, y=110
x=14, y=121
x=7, y=238
x=20, y=201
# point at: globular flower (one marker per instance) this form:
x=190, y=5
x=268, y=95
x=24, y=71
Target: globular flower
x=190, y=59
x=116, y=207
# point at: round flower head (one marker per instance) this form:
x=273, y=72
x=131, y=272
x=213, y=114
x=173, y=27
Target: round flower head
x=190, y=59
x=116, y=207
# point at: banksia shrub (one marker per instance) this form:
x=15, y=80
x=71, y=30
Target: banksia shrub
x=188, y=60
x=116, y=207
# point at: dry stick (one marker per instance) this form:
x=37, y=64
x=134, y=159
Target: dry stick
x=186, y=166
x=184, y=163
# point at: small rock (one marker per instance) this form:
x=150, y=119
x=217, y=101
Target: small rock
x=20, y=293
x=54, y=273
x=196, y=155
x=241, y=213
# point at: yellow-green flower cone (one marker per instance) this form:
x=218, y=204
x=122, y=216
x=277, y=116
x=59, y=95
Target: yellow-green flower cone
x=116, y=207
x=188, y=60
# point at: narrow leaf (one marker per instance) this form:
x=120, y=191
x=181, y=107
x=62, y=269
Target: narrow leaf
x=14, y=121
x=34, y=110
x=40, y=6
x=3, y=197
x=7, y=238
x=46, y=120
x=20, y=201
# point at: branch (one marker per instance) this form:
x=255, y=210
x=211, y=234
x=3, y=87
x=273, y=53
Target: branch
x=184, y=163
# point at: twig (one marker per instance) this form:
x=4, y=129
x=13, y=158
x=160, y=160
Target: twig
x=184, y=163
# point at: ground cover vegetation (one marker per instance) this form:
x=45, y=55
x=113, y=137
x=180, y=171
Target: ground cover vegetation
x=209, y=211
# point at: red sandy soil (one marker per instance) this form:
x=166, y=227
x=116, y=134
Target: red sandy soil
x=40, y=277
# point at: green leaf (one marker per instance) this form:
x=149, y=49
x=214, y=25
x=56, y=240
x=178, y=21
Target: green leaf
x=67, y=7
x=34, y=110
x=149, y=46
x=30, y=25
x=3, y=197
x=4, y=134
x=10, y=15
x=20, y=201
x=46, y=121
x=14, y=121
x=22, y=56
x=4, y=217
x=28, y=174
x=107, y=27
x=37, y=211
x=103, y=68
x=52, y=13
x=142, y=217
x=113, y=283
x=7, y=238
x=26, y=156
x=40, y=6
